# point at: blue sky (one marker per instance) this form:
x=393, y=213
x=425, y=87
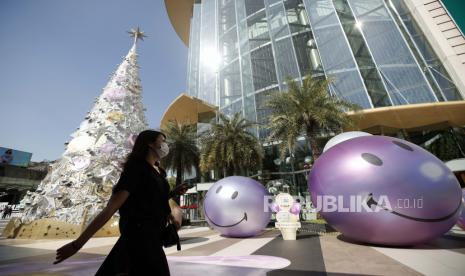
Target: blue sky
x=56, y=56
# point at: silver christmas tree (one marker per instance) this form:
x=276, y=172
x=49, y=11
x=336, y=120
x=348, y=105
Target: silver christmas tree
x=79, y=184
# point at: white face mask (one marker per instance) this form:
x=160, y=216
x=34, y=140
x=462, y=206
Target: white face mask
x=163, y=150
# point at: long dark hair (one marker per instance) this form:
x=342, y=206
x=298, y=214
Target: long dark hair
x=141, y=146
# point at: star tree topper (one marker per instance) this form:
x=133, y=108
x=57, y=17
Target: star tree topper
x=137, y=34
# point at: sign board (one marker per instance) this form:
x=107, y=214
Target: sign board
x=14, y=157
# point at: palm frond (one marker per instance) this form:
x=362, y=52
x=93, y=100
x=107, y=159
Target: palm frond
x=306, y=109
x=230, y=146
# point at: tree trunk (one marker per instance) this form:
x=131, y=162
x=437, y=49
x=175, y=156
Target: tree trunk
x=405, y=135
x=291, y=159
x=314, y=145
x=179, y=172
x=198, y=177
x=230, y=170
x=243, y=171
x=236, y=169
x=178, y=175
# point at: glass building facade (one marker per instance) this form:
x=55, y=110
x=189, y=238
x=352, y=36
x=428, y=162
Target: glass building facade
x=241, y=51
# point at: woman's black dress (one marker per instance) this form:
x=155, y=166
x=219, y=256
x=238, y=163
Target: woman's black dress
x=143, y=215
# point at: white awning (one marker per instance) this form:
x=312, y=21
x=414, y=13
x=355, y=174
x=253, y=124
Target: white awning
x=457, y=165
x=200, y=187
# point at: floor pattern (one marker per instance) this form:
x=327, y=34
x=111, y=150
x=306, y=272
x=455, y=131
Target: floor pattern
x=205, y=252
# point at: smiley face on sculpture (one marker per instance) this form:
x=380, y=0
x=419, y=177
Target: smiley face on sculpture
x=410, y=196
x=234, y=206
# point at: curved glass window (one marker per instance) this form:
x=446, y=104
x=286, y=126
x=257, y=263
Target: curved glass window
x=228, y=46
x=296, y=16
x=230, y=84
x=335, y=53
x=371, y=77
x=226, y=15
x=399, y=69
x=432, y=64
x=194, y=50
x=263, y=68
x=210, y=59
x=252, y=6
x=258, y=32
x=283, y=48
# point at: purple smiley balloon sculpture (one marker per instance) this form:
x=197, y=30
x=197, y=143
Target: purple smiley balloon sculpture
x=461, y=221
x=235, y=207
x=384, y=190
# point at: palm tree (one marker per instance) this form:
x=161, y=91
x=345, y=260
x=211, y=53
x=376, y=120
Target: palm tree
x=306, y=110
x=184, y=153
x=230, y=148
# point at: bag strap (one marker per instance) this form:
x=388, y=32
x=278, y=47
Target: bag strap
x=178, y=242
x=178, y=245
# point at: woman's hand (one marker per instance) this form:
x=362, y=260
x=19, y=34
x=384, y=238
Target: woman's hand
x=180, y=190
x=116, y=201
x=66, y=251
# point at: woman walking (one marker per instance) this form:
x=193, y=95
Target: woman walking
x=141, y=195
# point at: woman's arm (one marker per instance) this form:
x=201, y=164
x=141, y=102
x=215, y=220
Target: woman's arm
x=115, y=202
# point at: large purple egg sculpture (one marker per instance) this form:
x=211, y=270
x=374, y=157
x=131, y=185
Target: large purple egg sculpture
x=461, y=221
x=384, y=190
x=237, y=206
